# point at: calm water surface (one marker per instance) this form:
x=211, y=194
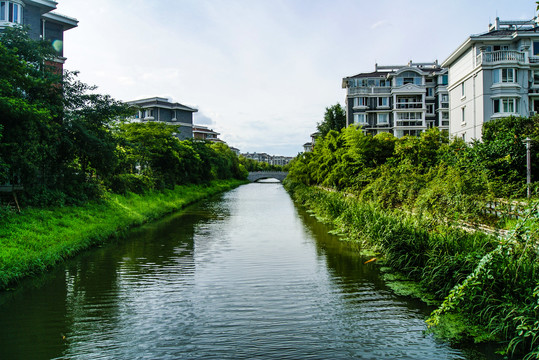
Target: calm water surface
x=244, y=276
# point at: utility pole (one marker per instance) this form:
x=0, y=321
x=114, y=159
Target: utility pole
x=528, y=141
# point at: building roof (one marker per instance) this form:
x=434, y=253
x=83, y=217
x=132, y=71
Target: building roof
x=501, y=30
x=46, y=5
x=160, y=102
x=203, y=130
x=66, y=21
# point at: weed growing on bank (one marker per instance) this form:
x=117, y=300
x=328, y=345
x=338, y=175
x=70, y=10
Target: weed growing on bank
x=37, y=239
x=488, y=287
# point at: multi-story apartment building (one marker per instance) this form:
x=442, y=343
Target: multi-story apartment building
x=161, y=109
x=206, y=134
x=269, y=159
x=42, y=22
x=492, y=75
x=402, y=100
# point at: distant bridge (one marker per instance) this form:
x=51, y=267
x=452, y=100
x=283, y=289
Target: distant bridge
x=259, y=175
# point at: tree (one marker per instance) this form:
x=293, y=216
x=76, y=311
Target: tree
x=334, y=119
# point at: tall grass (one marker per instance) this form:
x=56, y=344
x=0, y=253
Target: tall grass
x=37, y=239
x=490, y=286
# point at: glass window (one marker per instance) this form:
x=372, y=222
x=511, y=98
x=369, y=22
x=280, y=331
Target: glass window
x=430, y=92
x=496, y=76
x=444, y=80
x=536, y=77
x=383, y=118
x=462, y=90
x=505, y=105
x=536, y=48
x=504, y=75
x=383, y=101
x=360, y=101
x=2, y=10
x=359, y=118
x=430, y=108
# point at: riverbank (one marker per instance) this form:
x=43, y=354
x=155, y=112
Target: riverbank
x=486, y=287
x=37, y=239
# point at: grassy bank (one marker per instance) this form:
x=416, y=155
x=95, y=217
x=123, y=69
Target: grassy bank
x=37, y=239
x=487, y=289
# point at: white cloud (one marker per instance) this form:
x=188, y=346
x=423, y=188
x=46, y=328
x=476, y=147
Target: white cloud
x=261, y=72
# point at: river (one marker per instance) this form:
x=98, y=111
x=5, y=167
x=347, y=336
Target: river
x=247, y=275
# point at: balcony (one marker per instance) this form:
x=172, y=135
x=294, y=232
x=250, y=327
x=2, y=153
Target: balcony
x=409, y=123
x=369, y=90
x=409, y=105
x=505, y=56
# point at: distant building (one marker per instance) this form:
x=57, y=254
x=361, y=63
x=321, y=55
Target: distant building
x=42, y=22
x=163, y=110
x=493, y=75
x=269, y=159
x=236, y=151
x=308, y=147
x=401, y=100
x=204, y=133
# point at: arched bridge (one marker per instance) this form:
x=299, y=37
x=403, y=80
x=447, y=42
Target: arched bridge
x=259, y=175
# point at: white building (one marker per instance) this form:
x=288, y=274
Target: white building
x=493, y=75
x=402, y=100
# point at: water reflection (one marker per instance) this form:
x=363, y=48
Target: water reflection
x=247, y=275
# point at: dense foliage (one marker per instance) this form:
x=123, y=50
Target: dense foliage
x=490, y=286
x=431, y=174
x=334, y=119
x=253, y=165
x=66, y=144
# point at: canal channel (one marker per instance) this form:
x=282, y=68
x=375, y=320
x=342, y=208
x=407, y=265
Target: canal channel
x=246, y=275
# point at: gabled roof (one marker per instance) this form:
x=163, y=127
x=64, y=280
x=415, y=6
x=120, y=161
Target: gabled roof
x=66, y=21
x=162, y=103
x=45, y=5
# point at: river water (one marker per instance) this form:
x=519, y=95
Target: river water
x=247, y=275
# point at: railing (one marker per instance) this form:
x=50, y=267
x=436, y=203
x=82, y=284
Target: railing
x=369, y=90
x=409, y=105
x=500, y=56
x=409, y=123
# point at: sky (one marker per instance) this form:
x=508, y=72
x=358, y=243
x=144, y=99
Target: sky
x=262, y=72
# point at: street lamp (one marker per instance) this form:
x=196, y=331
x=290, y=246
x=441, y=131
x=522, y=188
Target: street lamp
x=528, y=141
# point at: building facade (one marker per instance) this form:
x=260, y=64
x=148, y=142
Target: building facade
x=204, y=133
x=163, y=110
x=401, y=100
x=493, y=75
x=269, y=159
x=41, y=21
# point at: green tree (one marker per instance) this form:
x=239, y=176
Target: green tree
x=334, y=119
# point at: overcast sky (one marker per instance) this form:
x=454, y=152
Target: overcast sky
x=262, y=72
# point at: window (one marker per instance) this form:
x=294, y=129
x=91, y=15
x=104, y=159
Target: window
x=383, y=119
x=430, y=108
x=360, y=101
x=408, y=77
x=505, y=75
x=463, y=111
x=462, y=90
x=505, y=105
x=536, y=48
x=430, y=92
x=536, y=77
x=10, y=11
x=359, y=119
x=409, y=116
x=443, y=80
x=383, y=101
x=500, y=47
